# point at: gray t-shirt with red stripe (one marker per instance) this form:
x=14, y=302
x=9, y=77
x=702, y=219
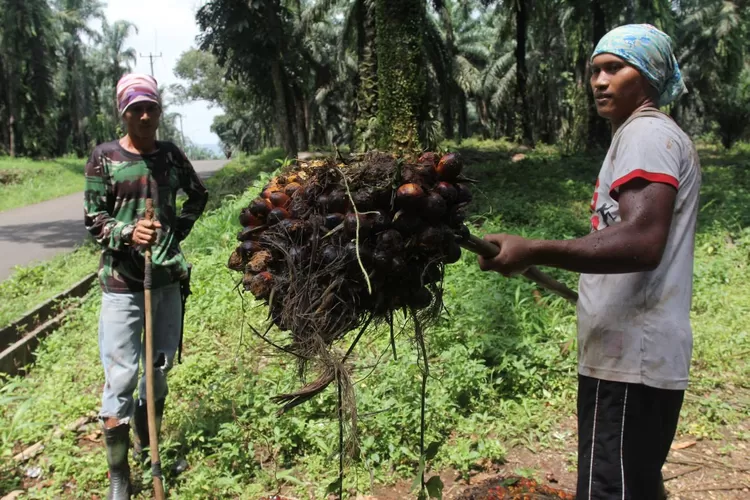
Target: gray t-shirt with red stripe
x=635, y=327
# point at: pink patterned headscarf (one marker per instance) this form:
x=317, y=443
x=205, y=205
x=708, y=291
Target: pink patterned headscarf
x=136, y=87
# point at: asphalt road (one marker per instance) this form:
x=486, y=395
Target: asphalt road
x=39, y=232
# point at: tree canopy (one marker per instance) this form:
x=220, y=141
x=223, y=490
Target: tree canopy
x=385, y=74
x=407, y=74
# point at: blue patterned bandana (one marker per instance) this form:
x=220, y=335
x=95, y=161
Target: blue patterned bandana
x=650, y=52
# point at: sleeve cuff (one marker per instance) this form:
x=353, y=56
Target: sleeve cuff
x=643, y=174
x=126, y=235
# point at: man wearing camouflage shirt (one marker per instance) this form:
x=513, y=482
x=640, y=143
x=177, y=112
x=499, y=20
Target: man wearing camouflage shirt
x=120, y=176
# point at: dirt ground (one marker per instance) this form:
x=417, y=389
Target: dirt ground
x=695, y=470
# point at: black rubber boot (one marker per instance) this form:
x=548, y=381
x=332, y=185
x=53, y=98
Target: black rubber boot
x=116, y=440
x=140, y=429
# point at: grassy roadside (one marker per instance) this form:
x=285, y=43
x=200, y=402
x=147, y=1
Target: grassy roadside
x=29, y=287
x=25, y=182
x=503, y=363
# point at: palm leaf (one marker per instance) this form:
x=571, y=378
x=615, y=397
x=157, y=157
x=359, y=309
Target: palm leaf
x=503, y=87
x=466, y=75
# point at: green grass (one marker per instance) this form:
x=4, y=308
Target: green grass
x=503, y=364
x=29, y=287
x=25, y=182
x=232, y=180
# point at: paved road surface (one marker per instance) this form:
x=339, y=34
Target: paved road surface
x=39, y=232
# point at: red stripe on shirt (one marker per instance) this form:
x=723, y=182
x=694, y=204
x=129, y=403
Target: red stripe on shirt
x=642, y=174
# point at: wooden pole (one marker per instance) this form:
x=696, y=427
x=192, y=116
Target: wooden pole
x=150, y=400
x=489, y=250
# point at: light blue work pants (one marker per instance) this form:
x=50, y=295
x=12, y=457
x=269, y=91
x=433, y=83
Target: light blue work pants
x=121, y=324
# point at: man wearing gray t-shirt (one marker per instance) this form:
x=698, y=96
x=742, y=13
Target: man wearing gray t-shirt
x=634, y=334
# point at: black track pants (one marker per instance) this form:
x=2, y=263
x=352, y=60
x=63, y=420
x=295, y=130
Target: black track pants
x=624, y=435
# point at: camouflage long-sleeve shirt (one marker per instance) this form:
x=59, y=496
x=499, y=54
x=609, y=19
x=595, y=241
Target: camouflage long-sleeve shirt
x=118, y=183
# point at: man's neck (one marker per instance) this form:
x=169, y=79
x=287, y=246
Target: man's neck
x=648, y=103
x=138, y=145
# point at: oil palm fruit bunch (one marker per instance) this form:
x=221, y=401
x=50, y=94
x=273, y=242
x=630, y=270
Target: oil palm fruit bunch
x=329, y=244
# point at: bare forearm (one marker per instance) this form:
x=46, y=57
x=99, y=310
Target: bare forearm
x=617, y=249
x=635, y=243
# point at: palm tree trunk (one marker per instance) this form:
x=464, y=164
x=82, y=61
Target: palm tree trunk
x=12, y=133
x=447, y=110
x=401, y=74
x=11, y=115
x=367, y=90
x=445, y=88
x=484, y=117
x=598, y=133
x=14, y=18
x=309, y=123
x=283, y=101
x=284, y=125
x=521, y=29
x=463, y=116
x=548, y=118
x=303, y=138
x=74, y=105
x=513, y=124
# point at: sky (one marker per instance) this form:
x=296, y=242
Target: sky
x=166, y=27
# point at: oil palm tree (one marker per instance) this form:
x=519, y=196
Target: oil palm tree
x=27, y=64
x=356, y=42
x=110, y=60
x=76, y=84
x=458, y=45
x=712, y=44
x=117, y=59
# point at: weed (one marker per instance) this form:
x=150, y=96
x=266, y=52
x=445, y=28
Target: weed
x=528, y=473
